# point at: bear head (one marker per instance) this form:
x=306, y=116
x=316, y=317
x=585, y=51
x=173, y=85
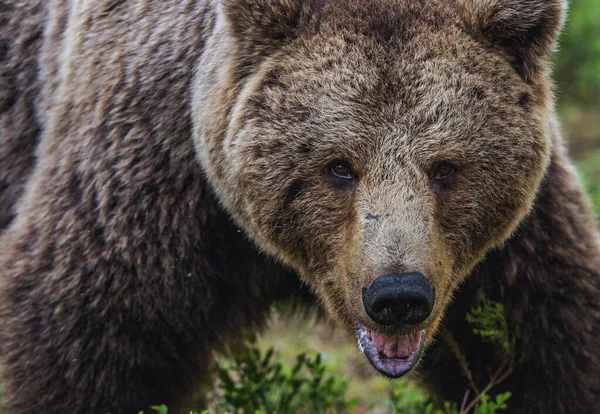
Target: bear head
x=380, y=148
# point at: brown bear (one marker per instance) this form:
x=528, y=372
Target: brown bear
x=169, y=168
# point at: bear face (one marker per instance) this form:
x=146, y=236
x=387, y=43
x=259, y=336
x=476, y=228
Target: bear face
x=380, y=152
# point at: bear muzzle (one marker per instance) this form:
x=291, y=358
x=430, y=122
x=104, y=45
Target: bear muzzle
x=405, y=299
x=395, y=301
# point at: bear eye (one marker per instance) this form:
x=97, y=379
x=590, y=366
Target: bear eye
x=341, y=174
x=341, y=170
x=443, y=170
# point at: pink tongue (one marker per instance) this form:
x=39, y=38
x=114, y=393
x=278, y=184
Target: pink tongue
x=398, y=346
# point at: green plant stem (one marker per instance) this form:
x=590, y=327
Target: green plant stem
x=447, y=335
x=495, y=380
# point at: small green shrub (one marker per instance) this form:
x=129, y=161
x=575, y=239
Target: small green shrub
x=408, y=403
x=160, y=409
x=405, y=398
x=490, y=324
x=254, y=383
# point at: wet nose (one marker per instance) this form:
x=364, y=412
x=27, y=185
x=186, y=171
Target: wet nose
x=399, y=299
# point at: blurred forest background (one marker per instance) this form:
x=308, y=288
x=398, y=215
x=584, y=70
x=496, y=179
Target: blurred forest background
x=577, y=78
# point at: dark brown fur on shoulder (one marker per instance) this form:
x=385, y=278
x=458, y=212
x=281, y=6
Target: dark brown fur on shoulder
x=169, y=168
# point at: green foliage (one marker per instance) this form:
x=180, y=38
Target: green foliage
x=490, y=324
x=407, y=400
x=590, y=175
x=577, y=65
x=489, y=406
x=256, y=384
x=163, y=409
x=160, y=409
x=404, y=400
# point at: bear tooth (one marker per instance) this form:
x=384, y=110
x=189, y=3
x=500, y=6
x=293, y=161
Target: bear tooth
x=360, y=346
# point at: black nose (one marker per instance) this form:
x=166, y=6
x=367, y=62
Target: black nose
x=399, y=299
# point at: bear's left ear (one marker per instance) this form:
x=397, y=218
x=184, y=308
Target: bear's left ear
x=525, y=29
x=262, y=26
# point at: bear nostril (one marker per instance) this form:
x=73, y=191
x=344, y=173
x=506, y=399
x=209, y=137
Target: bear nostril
x=383, y=306
x=399, y=299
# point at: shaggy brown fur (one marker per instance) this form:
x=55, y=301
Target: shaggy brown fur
x=129, y=262
x=21, y=26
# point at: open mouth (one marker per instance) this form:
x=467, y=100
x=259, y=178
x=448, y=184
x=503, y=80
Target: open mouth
x=393, y=356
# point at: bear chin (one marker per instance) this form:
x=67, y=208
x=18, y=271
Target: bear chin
x=393, y=356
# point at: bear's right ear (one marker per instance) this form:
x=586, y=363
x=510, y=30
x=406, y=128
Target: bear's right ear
x=263, y=26
x=525, y=29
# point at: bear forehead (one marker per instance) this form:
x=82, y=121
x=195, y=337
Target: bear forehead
x=363, y=84
x=393, y=52
x=391, y=20
x=402, y=69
